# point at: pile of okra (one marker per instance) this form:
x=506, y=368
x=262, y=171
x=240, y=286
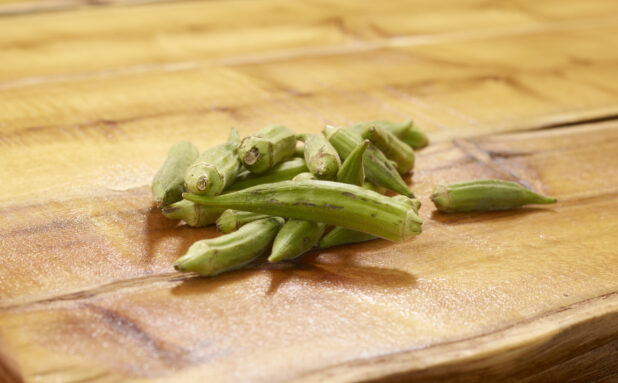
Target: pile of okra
x=289, y=193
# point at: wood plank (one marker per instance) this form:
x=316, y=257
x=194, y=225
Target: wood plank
x=110, y=38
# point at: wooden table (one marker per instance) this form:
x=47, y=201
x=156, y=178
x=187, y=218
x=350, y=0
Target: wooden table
x=92, y=93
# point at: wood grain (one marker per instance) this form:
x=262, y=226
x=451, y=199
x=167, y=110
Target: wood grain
x=93, y=93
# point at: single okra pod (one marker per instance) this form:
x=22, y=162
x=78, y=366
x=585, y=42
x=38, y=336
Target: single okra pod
x=405, y=131
x=215, y=169
x=377, y=167
x=168, y=182
x=321, y=158
x=232, y=220
x=305, y=176
x=392, y=147
x=192, y=213
x=283, y=172
x=342, y=236
x=373, y=187
x=267, y=148
x=299, y=151
x=231, y=251
x=352, y=170
x=295, y=238
x=484, y=195
x=324, y=201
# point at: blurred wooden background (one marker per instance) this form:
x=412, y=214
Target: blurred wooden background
x=92, y=93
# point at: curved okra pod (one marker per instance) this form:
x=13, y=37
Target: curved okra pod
x=352, y=170
x=392, y=147
x=282, y=172
x=267, y=148
x=210, y=257
x=484, y=195
x=321, y=158
x=324, y=201
x=378, y=169
x=168, y=182
x=295, y=238
x=342, y=236
x=215, y=169
x=192, y=213
x=406, y=131
x=231, y=220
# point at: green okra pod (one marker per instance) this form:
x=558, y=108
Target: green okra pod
x=231, y=251
x=484, y=195
x=231, y=220
x=168, y=182
x=299, y=151
x=377, y=167
x=267, y=148
x=282, y=172
x=321, y=158
x=392, y=147
x=324, y=201
x=295, y=238
x=342, y=236
x=373, y=187
x=215, y=169
x=405, y=131
x=305, y=176
x=191, y=213
x=352, y=170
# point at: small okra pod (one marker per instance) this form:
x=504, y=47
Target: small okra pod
x=295, y=238
x=377, y=167
x=406, y=131
x=352, y=170
x=392, y=147
x=484, y=195
x=231, y=251
x=267, y=148
x=192, y=213
x=342, y=236
x=215, y=169
x=305, y=176
x=232, y=220
x=333, y=203
x=168, y=182
x=282, y=172
x=321, y=158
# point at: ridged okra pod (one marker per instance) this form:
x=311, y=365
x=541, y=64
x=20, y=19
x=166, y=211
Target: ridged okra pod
x=296, y=237
x=231, y=251
x=484, y=195
x=378, y=168
x=393, y=148
x=168, y=182
x=267, y=148
x=285, y=171
x=215, y=169
x=232, y=220
x=191, y=213
x=321, y=158
x=352, y=170
x=406, y=131
x=333, y=203
x=342, y=236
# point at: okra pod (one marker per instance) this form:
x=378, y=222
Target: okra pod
x=283, y=172
x=192, y=213
x=295, y=238
x=168, y=182
x=299, y=151
x=392, y=147
x=484, y=195
x=405, y=131
x=231, y=220
x=305, y=176
x=321, y=158
x=231, y=251
x=215, y=169
x=333, y=203
x=352, y=170
x=267, y=148
x=377, y=167
x=343, y=236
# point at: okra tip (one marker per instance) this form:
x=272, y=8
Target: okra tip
x=440, y=197
x=203, y=179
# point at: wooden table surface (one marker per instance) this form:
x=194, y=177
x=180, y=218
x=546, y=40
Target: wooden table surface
x=92, y=93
